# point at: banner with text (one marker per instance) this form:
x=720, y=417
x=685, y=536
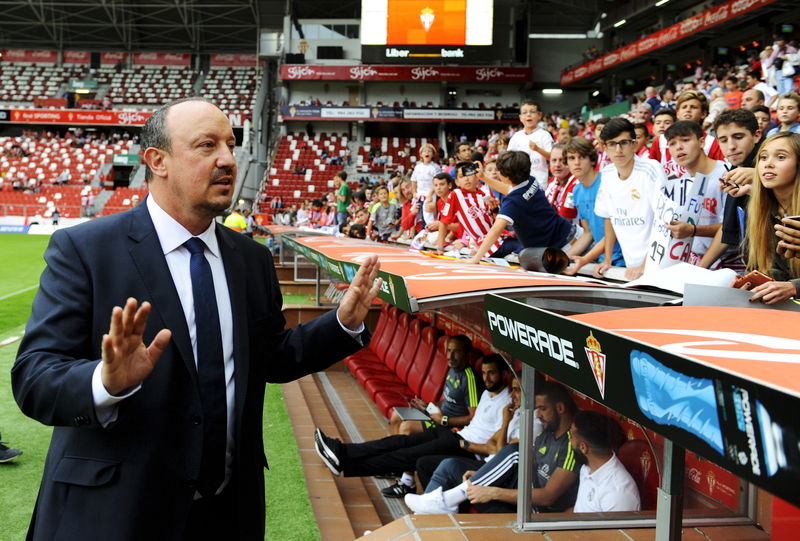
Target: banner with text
x=688, y=27
x=692, y=392
x=77, y=57
x=30, y=55
x=478, y=74
x=238, y=60
x=161, y=59
x=113, y=58
x=104, y=118
x=316, y=112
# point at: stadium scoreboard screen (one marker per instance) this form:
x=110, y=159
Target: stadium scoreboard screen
x=427, y=31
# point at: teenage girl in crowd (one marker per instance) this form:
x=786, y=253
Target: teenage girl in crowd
x=775, y=196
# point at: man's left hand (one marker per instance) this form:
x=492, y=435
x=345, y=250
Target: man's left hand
x=358, y=298
x=478, y=493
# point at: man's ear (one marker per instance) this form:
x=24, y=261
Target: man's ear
x=154, y=158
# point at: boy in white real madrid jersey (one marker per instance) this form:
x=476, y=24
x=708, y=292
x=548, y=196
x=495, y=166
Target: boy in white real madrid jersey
x=627, y=198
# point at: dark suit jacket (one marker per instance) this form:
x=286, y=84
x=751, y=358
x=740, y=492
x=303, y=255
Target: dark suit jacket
x=135, y=478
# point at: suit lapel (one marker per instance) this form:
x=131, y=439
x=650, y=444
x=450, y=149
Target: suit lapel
x=148, y=257
x=235, y=275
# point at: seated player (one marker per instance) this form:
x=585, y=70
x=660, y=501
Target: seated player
x=400, y=453
x=493, y=487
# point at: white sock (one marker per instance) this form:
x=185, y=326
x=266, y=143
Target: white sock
x=456, y=495
x=407, y=479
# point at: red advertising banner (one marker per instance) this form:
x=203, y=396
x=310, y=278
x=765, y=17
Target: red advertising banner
x=161, y=59
x=105, y=118
x=113, y=58
x=702, y=21
x=243, y=60
x=479, y=74
x=72, y=116
x=77, y=57
x=29, y=55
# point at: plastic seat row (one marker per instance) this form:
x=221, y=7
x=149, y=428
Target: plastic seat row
x=406, y=358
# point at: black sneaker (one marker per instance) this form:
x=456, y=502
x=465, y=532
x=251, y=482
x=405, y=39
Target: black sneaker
x=7, y=454
x=398, y=490
x=326, y=449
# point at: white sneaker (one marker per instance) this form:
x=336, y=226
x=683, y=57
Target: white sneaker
x=431, y=503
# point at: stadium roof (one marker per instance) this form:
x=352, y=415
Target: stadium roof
x=204, y=26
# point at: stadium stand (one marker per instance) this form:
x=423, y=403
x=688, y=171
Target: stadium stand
x=232, y=89
x=46, y=159
x=382, y=153
x=66, y=198
x=147, y=85
x=123, y=199
x=299, y=169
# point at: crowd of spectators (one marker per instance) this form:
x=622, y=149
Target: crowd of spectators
x=712, y=156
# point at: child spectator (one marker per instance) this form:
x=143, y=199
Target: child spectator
x=602, y=156
x=663, y=119
x=697, y=191
x=642, y=140
x=442, y=186
x=764, y=120
x=692, y=105
x=383, y=222
x=626, y=198
x=525, y=207
x=733, y=94
x=342, y=197
x=581, y=159
x=536, y=142
x=560, y=187
x=788, y=112
x=422, y=176
x=410, y=222
x=468, y=206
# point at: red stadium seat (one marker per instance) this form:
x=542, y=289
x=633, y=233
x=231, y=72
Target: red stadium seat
x=641, y=463
x=375, y=382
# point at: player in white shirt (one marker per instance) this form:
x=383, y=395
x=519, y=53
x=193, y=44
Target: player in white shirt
x=533, y=140
x=605, y=485
x=697, y=191
x=422, y=178
x=627, y=198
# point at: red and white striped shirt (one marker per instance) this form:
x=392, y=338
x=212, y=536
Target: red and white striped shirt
x=560, y=197
x=472, y=212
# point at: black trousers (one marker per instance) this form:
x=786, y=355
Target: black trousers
x=394, y=454
x=214, y=518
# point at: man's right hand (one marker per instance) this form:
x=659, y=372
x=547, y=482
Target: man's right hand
x=126, y=360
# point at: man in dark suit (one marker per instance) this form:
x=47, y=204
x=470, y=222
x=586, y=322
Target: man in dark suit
x=158, y=416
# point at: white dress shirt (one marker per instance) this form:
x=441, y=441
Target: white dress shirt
x=172, y=235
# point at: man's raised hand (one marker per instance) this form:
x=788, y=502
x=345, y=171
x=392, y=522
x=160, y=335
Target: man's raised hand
x=126, y=360
x=359, y=296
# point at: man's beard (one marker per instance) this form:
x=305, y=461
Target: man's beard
x=497, y=387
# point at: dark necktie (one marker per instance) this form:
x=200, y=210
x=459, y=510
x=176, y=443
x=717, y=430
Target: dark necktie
x=210, y=370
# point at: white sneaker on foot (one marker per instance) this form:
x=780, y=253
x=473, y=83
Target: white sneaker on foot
x=431, y=503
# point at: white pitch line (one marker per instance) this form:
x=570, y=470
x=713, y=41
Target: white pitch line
x=19, y=291
x=9, y=340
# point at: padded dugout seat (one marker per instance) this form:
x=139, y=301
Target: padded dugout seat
x=374, y=381
x=418, y=375
x=372, y=354
x=638, y=459
x=387, y=362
